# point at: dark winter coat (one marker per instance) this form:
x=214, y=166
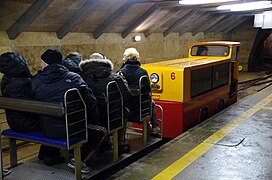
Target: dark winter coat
x=132, y=71
x=50, y=85
x=16, y=83
x=71, y=62
x=97, y=74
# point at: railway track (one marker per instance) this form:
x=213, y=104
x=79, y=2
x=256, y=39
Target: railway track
x=254, y=85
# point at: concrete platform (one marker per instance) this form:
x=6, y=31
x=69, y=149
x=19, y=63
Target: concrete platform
x=234, y=144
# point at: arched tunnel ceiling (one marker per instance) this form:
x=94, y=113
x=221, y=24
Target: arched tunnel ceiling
x=116, y=16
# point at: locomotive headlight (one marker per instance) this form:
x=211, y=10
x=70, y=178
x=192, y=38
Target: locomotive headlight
x=154, y=78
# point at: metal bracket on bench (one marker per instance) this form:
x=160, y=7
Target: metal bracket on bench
x=145, y=131
x=77, y=156
x=13, y=152
x=115, y=145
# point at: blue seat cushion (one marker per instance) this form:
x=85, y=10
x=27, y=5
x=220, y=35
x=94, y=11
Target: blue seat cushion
x=39, y=137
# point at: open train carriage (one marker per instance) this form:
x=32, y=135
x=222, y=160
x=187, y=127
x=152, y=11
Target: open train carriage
x=192, y=89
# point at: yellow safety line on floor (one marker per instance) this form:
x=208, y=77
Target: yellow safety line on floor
x=268, y=108
x=175, y=168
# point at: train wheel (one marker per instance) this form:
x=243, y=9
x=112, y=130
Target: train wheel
x=204, y=114
x=221, y=105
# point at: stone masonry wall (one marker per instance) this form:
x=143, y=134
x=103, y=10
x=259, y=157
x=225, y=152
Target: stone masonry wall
x=154, y=48
x=246, y=36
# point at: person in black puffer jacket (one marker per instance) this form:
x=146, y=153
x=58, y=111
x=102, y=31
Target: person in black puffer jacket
x=97, y=73
x=131, y=70
x=49, y=85
x=72, y=61
x=16, y=83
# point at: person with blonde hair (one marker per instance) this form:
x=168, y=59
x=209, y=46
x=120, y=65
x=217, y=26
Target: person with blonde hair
x=131, y=54
x=131, y=70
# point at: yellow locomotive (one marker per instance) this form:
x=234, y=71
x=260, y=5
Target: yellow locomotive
x=192, y=89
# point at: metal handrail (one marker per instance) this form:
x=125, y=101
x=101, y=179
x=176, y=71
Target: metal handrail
x=162, y=118
x=84, y=109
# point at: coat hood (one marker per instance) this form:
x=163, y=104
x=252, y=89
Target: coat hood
x=14, y=65
x=138, y=63
x=71, y=62
x=131, y=64
x=96, y=68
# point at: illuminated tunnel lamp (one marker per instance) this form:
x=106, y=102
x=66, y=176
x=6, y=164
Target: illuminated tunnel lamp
x=196, y=2
x=246, y=6
x=263, y=20
x=137, y=38
x=258, y=20
x=267, y=21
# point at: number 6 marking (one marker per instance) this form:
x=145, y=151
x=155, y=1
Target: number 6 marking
x=173, y=76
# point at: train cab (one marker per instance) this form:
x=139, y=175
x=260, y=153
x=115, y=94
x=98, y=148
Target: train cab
x=192, y=89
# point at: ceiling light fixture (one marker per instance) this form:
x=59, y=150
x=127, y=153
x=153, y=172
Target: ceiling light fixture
x=263, y=20
x=194, y=2
x=137, y=38
x=267, y=12
x=267, y=21
x=258, y=20
x=246, y=6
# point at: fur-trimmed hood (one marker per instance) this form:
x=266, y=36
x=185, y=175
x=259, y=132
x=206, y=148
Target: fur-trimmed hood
x=98, y=68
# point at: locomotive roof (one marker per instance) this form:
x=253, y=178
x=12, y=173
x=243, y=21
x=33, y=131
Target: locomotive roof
x=216, y=43
x=188, y=62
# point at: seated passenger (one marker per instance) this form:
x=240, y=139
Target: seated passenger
x=202, y=51
x=16, y=83
x=72, y=61
x=49, y=85
x=97, y=73
x=132, y=71
x=98, y=56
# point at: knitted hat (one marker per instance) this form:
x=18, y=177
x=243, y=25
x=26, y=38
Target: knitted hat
x=131, y=54
x=51, y=56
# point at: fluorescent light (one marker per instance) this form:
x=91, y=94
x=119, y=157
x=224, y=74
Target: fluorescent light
x=263, y=20
x=258, y=20
x=195, y=2
x=246, y=6
x=267, y=21
x=267, y=12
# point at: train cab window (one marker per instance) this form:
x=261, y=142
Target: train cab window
x=202, y=51
x=210, y=50
x=234, y=54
